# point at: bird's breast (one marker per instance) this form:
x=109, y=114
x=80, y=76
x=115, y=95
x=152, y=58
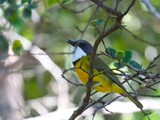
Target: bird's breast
x=105, y=84
x=82, y=69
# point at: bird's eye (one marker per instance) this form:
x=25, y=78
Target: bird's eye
x=83, y=44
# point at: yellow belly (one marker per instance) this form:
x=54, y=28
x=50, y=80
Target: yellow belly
x=103, y=83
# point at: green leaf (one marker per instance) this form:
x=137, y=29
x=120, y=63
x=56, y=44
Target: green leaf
x=118, y=65
x=64, y=1
x=10, y=11
x=120, y=54
x=26, y=13
x=32, y=5
x=134, y=65
x=111, y=51
x=12, y=2
x=4, y=46
x=2, y=1
x=17, y=47
x=32, y=90
x=24, y=1
x=13, y=17
x=154, y=116
x=128, y=56
x=98, y=22
x=50, y=3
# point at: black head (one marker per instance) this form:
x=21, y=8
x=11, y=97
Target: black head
x=84, y=45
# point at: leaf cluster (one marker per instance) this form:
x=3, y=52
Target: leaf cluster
x=124, y=58
x=14, y=6
x=4, y=47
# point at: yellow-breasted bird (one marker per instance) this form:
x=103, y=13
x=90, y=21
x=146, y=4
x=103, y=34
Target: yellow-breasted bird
x=105, y=81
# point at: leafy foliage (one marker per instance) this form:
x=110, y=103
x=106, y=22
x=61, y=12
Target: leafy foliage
x=66, y=19
x=111, y=51
x=2, y=1
x=17, y=47
x=120, y=54
x=12, y=2
x=98, y=22
x=13, y=7
x=25, y=1
x=64, y=1
x=118, y=65
x=50, y=3
x=127, y=57
x=10, y=11
x=123, y=57
x=134, y=64
x=26, y=13
x=4, y=46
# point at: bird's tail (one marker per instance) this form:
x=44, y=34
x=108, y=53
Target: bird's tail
x=134, y=100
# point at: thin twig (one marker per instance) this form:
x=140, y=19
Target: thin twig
x=140, y=39
x=76, y=11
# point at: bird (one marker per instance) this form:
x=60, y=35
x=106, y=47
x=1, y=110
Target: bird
x=103, y=77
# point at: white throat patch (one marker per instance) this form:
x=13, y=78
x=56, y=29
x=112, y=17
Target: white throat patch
x=77, y=53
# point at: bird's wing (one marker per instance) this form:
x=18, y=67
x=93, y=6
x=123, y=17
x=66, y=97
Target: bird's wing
x=102, y=67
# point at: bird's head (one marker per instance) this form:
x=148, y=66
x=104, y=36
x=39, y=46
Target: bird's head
x=80, y=49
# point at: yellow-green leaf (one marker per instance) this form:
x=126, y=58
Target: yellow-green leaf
x=120, y=54
x=17, y=47
x=50, y=3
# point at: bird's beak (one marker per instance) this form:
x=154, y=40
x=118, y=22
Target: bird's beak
x=73, y=43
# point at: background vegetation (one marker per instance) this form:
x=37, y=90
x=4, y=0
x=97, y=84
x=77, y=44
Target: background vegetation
x=31, y=85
